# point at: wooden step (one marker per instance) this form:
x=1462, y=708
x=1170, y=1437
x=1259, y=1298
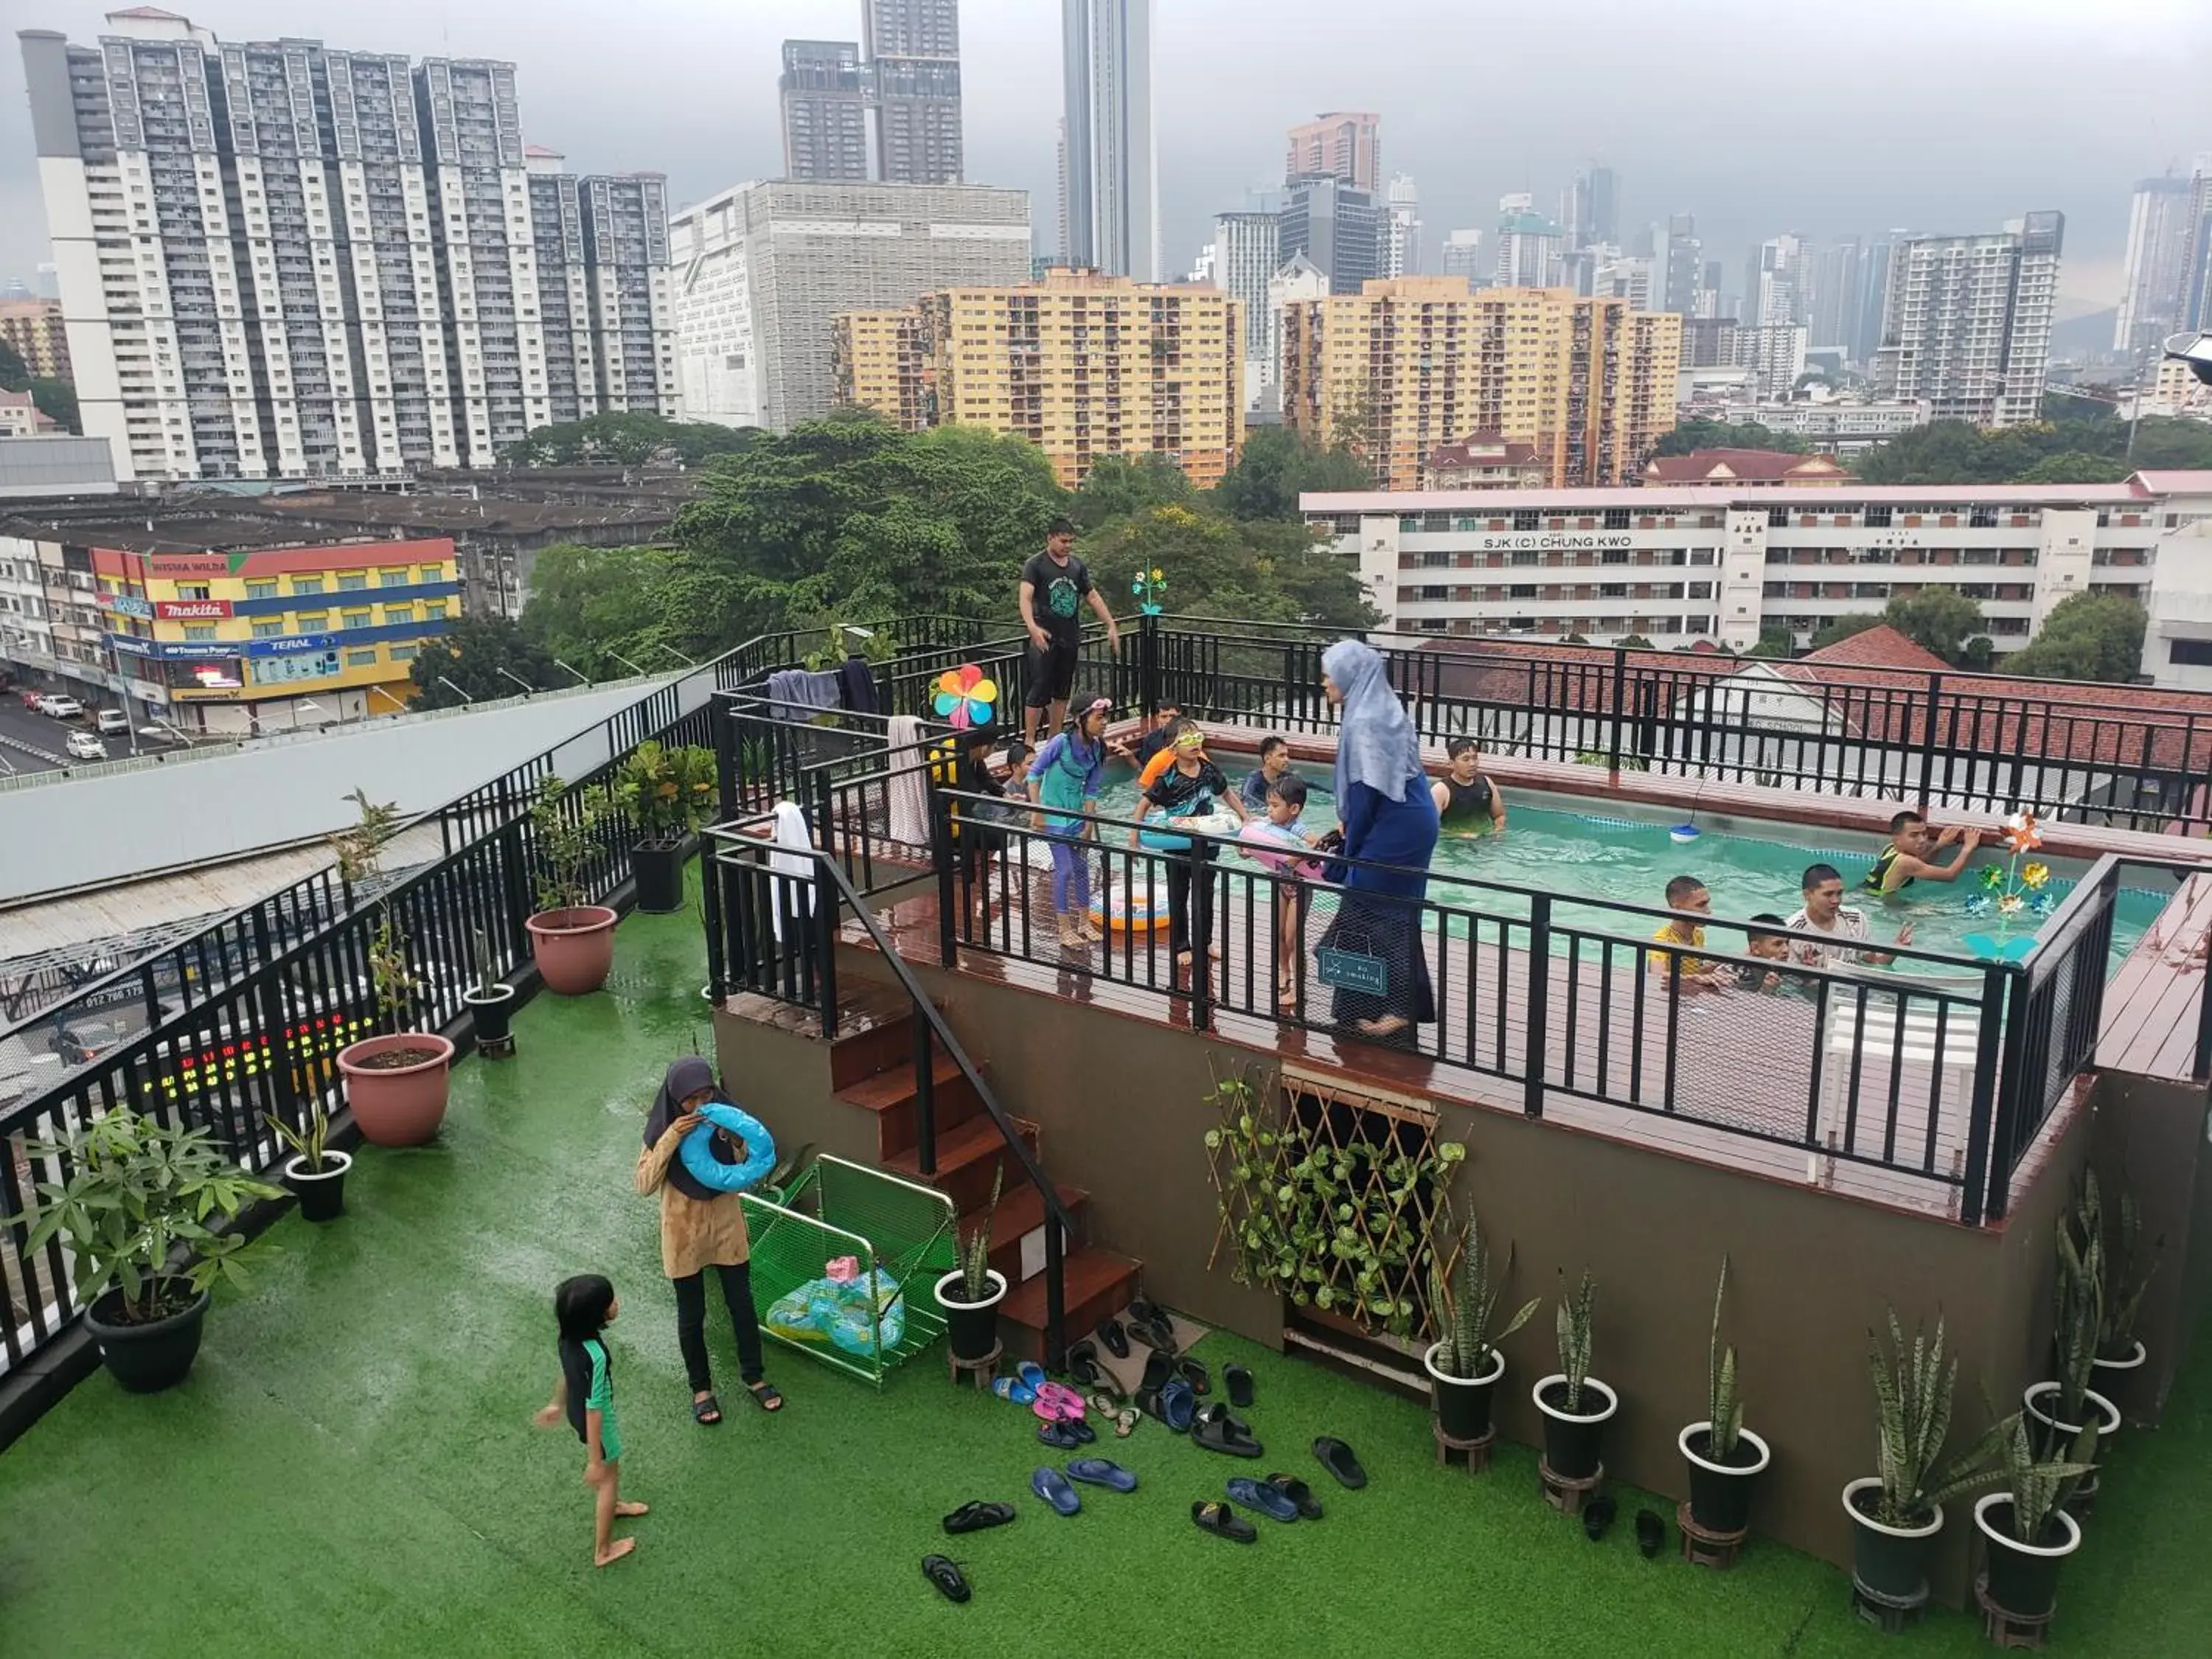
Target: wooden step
x=874, y=1034
x=965, y=1159
x=892, y=1097
x=1099, y=1282
x=1020, y=1216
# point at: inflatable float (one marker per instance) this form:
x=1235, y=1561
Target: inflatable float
x=697, y=1149
x=1131, y=912
x=853, y=1314
x=1283, y=851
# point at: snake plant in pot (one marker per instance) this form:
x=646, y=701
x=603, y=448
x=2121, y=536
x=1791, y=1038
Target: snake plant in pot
x=668, y=794
x=2119, y=1367
x=315, y=1174
x=1724, y=1456
x=1895, y=1514
x=1464, y=1363
x=491, y=1002
x=2025, y=1527
x=572, y=942
x=971, y=1292
x=137, y=1197
x=2063, y=1408
x=1576, y=1405
x=396, y=1080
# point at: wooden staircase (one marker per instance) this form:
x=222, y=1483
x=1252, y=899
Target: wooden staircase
x=873, y=1071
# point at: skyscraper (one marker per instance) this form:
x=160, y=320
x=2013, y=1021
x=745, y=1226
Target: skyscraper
x=1775, y=282
x=2160, y=221
x=825, y=96
x=914, y=65
x=1594, y=208
x=1342, y=144
x=1463, y=254
x=1402, y=252
x=1338, y=226
x=1836, y=285
x=1246, y=254
x=1112, y=175
x=1967, y=325
x=1530, y=247
x=352, y=276
x=1685, y=265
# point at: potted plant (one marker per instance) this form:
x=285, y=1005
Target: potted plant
x=971, y=1292
x=668, y=794
x=2027, y=1532
x=1724, y=1456
x=315, y=1174
x=2065, y=1406
x=491, y=1001
x=396, y=1080
x=1575, y=1404
x=572, y=943
x=1895, y=1514
x=137, y=1195
x=1464, y=1365
x=2128, y=1271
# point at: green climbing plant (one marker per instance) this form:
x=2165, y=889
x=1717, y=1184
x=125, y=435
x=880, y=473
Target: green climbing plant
x=1334, y=1204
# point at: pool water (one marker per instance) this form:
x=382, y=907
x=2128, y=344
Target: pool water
x=1583, y=855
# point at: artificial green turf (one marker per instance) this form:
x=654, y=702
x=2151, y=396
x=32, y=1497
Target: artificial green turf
x=351, y=1468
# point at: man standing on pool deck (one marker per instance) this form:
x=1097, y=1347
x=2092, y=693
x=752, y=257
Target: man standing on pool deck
x=1055, y=584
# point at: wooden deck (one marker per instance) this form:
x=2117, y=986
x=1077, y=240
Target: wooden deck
x=2151, y=1005
x=1744, y=1064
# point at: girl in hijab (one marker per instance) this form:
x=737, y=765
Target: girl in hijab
x=701, y=1228
x=1388, y=818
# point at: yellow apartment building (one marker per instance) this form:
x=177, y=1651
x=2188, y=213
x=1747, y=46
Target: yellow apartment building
x=1408, y=366
x=1080, y=364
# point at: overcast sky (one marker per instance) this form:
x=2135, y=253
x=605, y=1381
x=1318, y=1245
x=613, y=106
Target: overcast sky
x=1936, y=115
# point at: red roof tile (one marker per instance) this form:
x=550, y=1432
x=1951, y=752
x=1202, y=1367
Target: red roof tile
x=1498, y=453
x=1882, y=647
x=1743, y=466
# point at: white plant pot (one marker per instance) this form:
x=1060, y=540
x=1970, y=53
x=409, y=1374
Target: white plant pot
x=2134, y=1360
x=1612, y=1400
x=2041, y=1401
x=1745, y=1436
x=1860, y=1518
x=1486, y=1380
x=970, y=1327
x=1462, y=1404
x=2004, y=1534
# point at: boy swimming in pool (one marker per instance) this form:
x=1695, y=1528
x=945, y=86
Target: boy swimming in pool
x=1688, y=894
x=1768, y=938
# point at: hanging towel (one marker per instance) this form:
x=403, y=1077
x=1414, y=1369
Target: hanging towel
x=908, y=789
x=856, y=687
x=801, y=695
x=791, y=831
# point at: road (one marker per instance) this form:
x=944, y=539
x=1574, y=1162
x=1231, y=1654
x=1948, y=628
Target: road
x=30, y=742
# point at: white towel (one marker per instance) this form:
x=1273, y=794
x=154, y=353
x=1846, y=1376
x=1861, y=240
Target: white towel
x=909, y=792
x=790, y=831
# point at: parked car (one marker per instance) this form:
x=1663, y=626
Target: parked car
x=80, y=1042
x=82, y=745
x=60, y=707
x=112, y=723
x=33, y=696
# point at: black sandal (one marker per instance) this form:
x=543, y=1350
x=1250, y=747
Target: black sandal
x=765, y=1396
x=707, y=1412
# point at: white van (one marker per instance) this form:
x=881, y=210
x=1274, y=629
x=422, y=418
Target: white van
x=112, y=723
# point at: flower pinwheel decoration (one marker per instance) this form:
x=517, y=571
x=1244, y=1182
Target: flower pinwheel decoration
x=1149, y=587
x=2011, y=890
x=2033, y=876
x=2021, y=834
x=964, y=697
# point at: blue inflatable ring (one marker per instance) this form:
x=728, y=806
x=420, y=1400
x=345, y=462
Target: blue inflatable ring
x=698, y=1153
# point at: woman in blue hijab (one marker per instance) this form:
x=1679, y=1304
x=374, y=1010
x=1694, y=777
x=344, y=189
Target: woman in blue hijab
x=1389, y=817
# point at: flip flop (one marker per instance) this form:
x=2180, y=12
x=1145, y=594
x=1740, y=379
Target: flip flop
x=1032, y=1374
x=765, y=1396
x=1116, y=1339
x=1194, y=1374
x=1105, y=1404
x=1259, y=1495
x=1083, y=1366
x=1223, y=1522
x=1007, y=1388
x=1050, y=1484
x=1339, y=1460
x=1217, y=1431
x=1299, y=1493
x=1125, y=1422
x=1237, y=1379
x=707, y=1412
x=946, y=1577
x=1177, y=1405
x=1102, y=1472
x=1060, y=1437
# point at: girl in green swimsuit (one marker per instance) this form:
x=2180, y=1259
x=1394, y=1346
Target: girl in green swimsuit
x=584, y=1306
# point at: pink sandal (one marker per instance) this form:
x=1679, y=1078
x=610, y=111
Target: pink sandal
x=1058, y=1403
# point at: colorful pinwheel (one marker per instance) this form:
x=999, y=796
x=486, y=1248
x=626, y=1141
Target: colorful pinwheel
x=2033, y=875
x=964, y=697
x=1993, y=876
x=1149, y=587
x=2020, y=833
x=2010, y=890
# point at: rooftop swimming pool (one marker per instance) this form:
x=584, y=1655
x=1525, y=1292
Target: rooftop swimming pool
x=1580, y=849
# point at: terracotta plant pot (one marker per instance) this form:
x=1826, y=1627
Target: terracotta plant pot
x=1462, y=1403
x=970, y=1327
x=1891, y=1561
x=398, y=1105
x=575, y=949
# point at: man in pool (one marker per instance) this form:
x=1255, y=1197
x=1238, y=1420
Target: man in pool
x=1767, y=937
x=1831, y=933
x=1910, y=855
x=1274, y=765
x=1687, y=894
x=1467, y=803
x=1159, y=734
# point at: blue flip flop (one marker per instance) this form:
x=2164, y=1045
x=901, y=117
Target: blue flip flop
x=1032, y=1375
x=1178, y=1405
x=1020, y=1392
x=1048, y=1484
x=1102, y=1472
x=1259, y=1495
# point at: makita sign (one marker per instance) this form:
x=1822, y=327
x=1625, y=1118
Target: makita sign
x=190, y=610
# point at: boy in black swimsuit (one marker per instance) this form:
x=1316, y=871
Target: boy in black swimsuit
x=1467, y=803
x=1054, y=585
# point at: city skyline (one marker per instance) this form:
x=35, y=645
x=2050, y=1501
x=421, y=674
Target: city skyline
x=1219, y=135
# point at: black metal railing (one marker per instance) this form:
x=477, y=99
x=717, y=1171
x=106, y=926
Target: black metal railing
x=772, y=914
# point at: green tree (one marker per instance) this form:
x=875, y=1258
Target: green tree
x=1119, y=485
x=1216, y=566
x=2087, y=636
x=1937, y=619
x=1635, y=642
x=1841, y=628
x=471, y=653
x=57, y=400
x=590, y=606
x=1775, y=641
x=2072, y=467
x=1276, y=467
x=1719, y=435
x=627, y=439
x=14, y=373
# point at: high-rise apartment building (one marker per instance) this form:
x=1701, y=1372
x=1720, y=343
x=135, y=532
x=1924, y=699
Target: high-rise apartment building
x=1425, y=362
x=1401, y=254
x=1247, y=253
x=1462, y=254
x=1592, y=208
x=1835, y=292
x=1685, y=265
x=2160, y=219
x=34, y=328
x=1082, y=365
x=1967, y=325
x=764, y=268
x=1110, y=181
x=824, y=92
x=278, y=260
x=2196, y=279
x=1342, y=144
x=914, y=60
x=1531, y=248
x=1775, y=282
x=1874, y=293
x=1339, y=226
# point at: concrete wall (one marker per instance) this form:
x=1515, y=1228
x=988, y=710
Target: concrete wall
x=1119, y=1104
x=2152, y=1134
